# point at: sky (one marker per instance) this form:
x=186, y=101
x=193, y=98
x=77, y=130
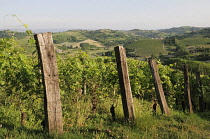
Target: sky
x=104, y=14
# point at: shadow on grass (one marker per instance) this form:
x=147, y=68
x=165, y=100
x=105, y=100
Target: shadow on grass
x=8, y=126
x=12, y=127
x=204, y=115
x=10, y=130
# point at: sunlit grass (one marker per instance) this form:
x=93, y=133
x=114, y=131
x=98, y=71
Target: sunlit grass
x=81, y=122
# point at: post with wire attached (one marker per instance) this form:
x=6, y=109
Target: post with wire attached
x=52, y=103
x=127, y=99
x=158, y=87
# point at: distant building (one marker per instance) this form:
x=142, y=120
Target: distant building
x=158, y=38
x=59, y=51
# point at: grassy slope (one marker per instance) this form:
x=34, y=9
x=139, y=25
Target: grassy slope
x=198, y=42
x=147, y=47
x=76, y=33
x=77, y=44
x=195, y=42
x=25, y=45
x=83, y=123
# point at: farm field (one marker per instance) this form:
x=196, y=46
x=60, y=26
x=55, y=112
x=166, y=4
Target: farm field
x=147, y=47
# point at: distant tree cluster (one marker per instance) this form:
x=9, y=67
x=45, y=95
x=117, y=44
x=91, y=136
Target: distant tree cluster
x=64, y=47
x=64, y=38
x=110, y=37
x=8, y=34
x=87, y=46
x=170, y=41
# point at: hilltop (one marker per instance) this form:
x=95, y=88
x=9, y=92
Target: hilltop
x=181, y=30
x=162, y=33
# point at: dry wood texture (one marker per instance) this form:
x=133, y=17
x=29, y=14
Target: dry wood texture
x=188, y=101
x=127, y=99
x=53, y=110
x=158, y=87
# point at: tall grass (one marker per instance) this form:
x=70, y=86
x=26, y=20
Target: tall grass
x=81, y=122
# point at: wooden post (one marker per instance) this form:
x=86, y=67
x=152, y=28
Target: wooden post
x=158, y=87
x=52, y=102
x=124, y=81
x=188, y=101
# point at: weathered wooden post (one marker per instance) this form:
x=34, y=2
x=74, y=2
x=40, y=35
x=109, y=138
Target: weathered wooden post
x=52, y=102
x=158, y=87
x=124, y=81
x=188, y=101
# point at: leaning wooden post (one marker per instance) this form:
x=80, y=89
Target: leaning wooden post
x=124, y=81
x=52, y=102
x=158, y=87
x=188, y=101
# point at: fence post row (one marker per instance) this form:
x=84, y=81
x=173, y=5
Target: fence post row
x=188, y=101
x=52, y=102
x=158, y=87
x=124, y=81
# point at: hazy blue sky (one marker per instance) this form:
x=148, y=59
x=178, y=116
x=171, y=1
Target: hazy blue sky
x=105, y=14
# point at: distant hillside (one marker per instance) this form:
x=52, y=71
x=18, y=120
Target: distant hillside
x=180, y=30
x=197, y=38
x=204, y=33
x=137, y=42
x=191, y=46
x=8, y=33
x=148, y=33
x=110, y=37
x=162, y=33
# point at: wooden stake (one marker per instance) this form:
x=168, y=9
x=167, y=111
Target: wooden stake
x=52, y=102
x=188, y=101
x=127, y=99
x=158, y=87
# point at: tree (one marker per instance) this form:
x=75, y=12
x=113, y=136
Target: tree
x=85, y=46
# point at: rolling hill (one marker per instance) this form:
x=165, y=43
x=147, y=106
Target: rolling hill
x=139, y=43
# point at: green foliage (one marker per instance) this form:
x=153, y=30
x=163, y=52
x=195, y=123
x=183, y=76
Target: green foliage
x=64, y=47
x=8, y=34
x=194, y=66
x=85, y=46
x=85, y=80
x=19, y=85
x=191, y=46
